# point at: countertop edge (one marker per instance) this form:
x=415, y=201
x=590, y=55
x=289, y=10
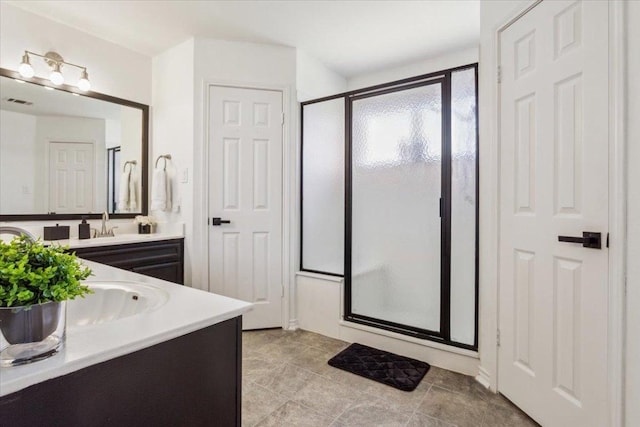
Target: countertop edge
x=122, y=239
x=86, y=347
x=27, y=381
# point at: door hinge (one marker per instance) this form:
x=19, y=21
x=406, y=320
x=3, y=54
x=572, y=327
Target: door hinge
x=281, y=291
x=499, y=74
x=498, y=337
x=282, y=119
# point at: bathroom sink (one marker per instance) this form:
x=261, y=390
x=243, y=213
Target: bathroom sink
x=114, y=300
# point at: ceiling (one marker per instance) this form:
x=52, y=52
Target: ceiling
x=350, y=37
x=53, y=102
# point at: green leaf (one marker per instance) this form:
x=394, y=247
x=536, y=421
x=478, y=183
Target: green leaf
x=31, y=273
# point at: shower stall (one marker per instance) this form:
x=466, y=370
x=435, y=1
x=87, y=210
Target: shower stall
x=410, y=189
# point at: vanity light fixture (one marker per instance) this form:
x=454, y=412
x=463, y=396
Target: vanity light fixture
x=55, y=61
x=25, y=69
x=83, y=83
x=56, y=76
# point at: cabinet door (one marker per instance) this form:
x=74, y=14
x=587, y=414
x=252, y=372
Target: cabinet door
x=169, y=271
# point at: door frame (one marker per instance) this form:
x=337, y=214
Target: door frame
x=490, y=280
x=200, y=226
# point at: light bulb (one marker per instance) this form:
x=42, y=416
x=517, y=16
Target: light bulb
x=83, y=83
x=25, y=69
x=56, y=76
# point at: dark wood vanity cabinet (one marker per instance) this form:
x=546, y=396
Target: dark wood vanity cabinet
x=162, y=259
x=193, y=380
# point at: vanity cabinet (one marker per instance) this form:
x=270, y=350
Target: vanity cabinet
x=193, y=380
x=162, y=259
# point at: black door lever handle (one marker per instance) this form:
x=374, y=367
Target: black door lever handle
x=589, y=239
x=219, y=221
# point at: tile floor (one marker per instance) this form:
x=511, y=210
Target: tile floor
x=287, y=382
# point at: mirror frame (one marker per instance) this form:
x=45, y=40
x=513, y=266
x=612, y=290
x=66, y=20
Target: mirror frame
x=145, y=151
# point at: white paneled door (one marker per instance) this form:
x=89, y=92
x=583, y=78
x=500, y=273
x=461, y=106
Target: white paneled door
x=554, y=182
x=71, y=177
x=245, y=200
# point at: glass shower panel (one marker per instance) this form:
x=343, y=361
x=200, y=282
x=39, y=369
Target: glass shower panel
x=396, y=188
x=463, y=205
x=323, y=186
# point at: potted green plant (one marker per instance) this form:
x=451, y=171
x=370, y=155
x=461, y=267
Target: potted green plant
x=35, y=282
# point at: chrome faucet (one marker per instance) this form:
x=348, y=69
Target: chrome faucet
x=17, y=231
x=104, y=230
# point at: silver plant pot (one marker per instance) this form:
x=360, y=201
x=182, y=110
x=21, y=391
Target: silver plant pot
x=21, y=325
x=31, y=333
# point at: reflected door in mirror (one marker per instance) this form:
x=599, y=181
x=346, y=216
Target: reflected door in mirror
x=71, y=174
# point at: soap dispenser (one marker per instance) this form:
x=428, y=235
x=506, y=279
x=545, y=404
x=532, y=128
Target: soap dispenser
x=84, y=230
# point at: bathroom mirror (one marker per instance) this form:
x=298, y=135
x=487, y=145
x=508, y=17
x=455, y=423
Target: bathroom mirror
x=66, y=154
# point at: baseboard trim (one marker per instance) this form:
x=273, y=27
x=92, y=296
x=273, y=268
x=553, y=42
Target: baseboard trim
x=293, y=325
x=484, y=378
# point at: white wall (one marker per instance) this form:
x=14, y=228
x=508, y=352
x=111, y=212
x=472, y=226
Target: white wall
x=172, y=133
x=314, y=79
x=425, y=66
x=18, y=163
x=113, y=133
x=113, y=69
x=633, y=216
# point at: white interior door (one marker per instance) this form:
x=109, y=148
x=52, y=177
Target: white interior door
x=245, y=181
x=71, y=177
x=554, y=182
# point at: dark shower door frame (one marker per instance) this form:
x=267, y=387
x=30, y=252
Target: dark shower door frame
x=112, y=198
x=443, y=335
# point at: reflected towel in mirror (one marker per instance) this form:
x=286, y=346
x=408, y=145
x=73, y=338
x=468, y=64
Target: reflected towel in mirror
x=133, y=190
x=128, y=196
x=123, y=199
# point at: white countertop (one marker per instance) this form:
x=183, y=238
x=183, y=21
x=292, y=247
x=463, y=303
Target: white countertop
x=187, y=310
x=119, y=239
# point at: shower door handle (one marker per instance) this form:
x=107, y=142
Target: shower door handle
x=589, y=239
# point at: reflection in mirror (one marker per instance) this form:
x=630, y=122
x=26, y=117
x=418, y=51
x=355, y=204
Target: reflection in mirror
x=68, y=154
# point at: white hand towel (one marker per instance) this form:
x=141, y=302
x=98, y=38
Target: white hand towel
x=133, y=190
x=159, y=193
x=123, y=198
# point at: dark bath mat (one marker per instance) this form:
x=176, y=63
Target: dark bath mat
x=387, y=368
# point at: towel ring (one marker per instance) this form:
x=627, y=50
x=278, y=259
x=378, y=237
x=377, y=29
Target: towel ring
x=165, y=157
x=132, y=163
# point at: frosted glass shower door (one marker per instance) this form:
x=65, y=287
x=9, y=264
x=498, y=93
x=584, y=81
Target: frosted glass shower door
x=396, y=186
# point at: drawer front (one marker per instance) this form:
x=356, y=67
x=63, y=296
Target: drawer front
x=169, y=271
x=161, y=259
